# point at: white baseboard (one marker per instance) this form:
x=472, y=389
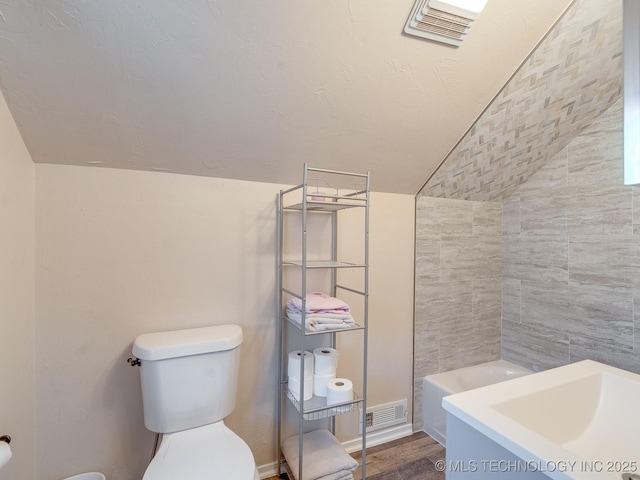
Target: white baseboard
x=379, y=437
x=268, y=470
x=373, y=439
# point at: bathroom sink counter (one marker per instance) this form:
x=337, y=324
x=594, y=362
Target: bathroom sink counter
x=579, y=421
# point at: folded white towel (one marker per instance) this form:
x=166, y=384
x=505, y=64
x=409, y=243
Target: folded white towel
x=324, y=457
x=322, y=321
x=338, y=476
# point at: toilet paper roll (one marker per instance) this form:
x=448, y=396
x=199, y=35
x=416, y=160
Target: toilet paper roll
x=5, y=453
x=294, y=387
x=320, y=383
x=294, y=362
x=339, y=390
x=325, y=361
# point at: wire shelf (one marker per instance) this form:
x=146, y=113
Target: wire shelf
x=320, y=206
x=322, y=264
x=316, y=408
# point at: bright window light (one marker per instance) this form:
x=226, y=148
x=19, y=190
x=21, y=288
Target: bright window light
x=474, y=6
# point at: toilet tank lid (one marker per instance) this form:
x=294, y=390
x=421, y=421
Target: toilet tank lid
x=192, y=341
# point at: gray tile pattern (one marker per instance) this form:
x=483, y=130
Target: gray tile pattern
x=458, y=303
x=573, y=76
x=581, y=300
x=542, y=258
x=604, y=259
x=537, y=348
x=511, y=297
x=546, y=159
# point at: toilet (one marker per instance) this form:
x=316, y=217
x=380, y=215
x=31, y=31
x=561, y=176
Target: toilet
x=189, y=379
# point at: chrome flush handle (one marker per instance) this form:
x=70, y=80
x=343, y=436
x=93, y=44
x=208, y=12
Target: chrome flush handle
x=134, y=361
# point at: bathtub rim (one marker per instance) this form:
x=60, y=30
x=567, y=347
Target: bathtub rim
x=441, y=379
x=443, y=383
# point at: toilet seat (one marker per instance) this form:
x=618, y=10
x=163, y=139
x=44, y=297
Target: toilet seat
x=203, y=453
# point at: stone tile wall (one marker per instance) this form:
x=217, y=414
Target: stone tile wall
x=573, y=76
x=561, y=281
x=458, y=287
x=571, y=257
x=546, y=156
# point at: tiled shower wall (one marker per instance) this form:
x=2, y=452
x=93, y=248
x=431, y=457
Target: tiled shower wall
x=458, y=287
x=548, y=277
x=571, y=257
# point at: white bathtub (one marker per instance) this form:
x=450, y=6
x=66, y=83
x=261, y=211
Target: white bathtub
x=436, y=387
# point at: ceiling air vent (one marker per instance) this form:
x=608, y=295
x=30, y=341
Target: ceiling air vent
x=445, y=21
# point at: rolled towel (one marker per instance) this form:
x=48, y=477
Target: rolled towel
x=324, y=457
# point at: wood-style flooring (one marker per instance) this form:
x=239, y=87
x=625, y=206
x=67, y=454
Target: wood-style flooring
x=408, y=458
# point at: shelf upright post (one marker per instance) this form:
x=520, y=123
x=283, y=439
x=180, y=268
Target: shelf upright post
x=366, y=330
x=303, y=321
x=334, y=282
x=279, y=329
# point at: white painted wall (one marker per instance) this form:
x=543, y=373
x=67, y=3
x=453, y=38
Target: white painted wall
x=17, y=394
x=120, y=253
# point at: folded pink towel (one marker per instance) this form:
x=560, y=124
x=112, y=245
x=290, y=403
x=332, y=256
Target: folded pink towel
x=318, y=302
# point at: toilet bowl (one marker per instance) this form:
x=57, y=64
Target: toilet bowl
x=196, y=453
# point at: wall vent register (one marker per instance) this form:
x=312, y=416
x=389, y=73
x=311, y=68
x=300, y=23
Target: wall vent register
x=384, y=416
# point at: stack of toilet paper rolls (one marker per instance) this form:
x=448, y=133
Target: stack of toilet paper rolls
x=325, y=366
x=294, y=366
x=325, y=381
x=320, y=376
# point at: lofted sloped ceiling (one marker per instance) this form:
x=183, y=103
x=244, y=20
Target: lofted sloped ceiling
x=251, y=90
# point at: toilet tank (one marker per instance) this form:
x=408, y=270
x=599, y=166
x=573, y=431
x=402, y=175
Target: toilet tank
x=189, y=377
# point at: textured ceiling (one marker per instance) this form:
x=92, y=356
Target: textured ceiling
x=573, y=76
x=251, y=90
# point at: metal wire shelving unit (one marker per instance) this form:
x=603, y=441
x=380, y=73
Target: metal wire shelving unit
x=306, y=203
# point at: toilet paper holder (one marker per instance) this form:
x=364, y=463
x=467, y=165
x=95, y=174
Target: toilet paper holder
x=5, y=438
